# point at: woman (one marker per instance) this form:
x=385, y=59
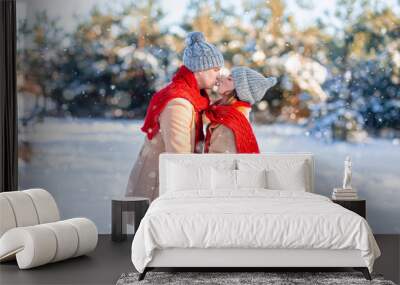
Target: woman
x=229, y=129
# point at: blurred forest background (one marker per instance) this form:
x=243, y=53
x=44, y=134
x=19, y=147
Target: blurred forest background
x=342, y=83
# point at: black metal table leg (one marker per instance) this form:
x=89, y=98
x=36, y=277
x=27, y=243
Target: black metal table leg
x=140, y=210
x=116, y=221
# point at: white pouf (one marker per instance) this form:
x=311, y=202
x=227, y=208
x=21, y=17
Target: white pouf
x=31, y=232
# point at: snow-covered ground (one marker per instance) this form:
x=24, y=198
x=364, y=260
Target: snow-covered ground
x=85, y=162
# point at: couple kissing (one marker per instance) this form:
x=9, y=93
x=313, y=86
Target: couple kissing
x=176, y=113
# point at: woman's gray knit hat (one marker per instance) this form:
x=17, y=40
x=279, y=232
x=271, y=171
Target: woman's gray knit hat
x=200, y=55
x=250, y=85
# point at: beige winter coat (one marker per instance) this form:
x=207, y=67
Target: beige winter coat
x=176, y=135
x=222, y=138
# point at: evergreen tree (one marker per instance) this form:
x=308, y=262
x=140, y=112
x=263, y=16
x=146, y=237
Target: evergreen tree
x=109, y=66
x=365, y=82
x=37, y=60
x=115, y=59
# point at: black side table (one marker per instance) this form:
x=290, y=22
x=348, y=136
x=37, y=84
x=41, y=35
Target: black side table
x=357, y=206
x=138, y=205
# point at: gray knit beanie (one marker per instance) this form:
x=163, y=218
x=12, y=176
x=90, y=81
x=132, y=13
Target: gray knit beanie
x=200, y=55
x=250, y=85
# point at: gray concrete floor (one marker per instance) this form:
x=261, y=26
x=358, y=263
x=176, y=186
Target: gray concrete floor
x=389, y=262
x=111, y=259
x=102, y=266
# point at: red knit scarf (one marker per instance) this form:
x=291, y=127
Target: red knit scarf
x=235, y=120
x=183, y=85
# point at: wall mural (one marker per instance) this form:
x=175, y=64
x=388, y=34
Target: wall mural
x=87, y=81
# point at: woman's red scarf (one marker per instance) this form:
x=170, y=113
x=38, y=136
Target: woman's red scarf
x=183, y=85
x=235, y=120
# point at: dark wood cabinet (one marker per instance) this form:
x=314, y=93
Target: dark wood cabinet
x=137, y=205
x=357, y=206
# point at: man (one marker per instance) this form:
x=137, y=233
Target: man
x=173, y=121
